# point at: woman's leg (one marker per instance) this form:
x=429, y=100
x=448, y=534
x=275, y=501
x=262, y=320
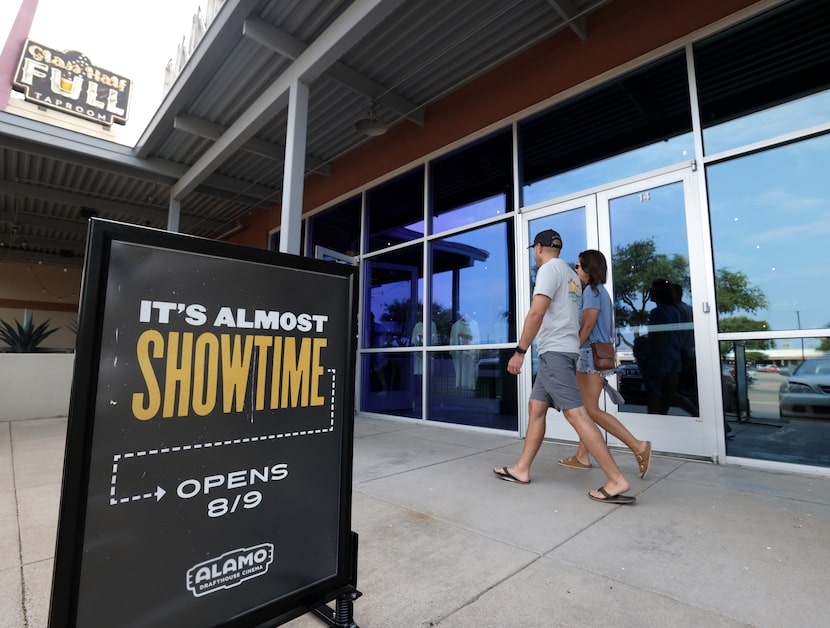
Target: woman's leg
x=590, y=386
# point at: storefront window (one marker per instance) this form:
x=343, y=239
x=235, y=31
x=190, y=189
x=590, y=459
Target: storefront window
x=337, y=228
x=635, y=123
x=473, y=387
x=395, y=211
x=654, y=316
x=390, y=366
x=765, y=77
x=472, y=184
x=776, y=399
x=472, y=281
x=770, y=216
x=472, y=305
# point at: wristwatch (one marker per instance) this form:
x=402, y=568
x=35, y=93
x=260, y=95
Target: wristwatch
x=519, y=350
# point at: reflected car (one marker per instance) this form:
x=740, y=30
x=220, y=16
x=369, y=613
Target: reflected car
x=806, y=393
x=767, y=368
x=632, y=387
x=630, y=383
x=729, y=388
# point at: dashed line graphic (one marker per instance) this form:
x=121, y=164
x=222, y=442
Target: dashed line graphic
x=159, y=492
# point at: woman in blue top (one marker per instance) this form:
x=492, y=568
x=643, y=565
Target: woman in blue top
x=595, y=319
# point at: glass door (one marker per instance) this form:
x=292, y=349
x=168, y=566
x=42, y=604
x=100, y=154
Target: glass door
x=651, y=233
x=576, y=222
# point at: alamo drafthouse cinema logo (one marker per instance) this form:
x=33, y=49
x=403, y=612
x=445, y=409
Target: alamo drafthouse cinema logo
x=230, y=569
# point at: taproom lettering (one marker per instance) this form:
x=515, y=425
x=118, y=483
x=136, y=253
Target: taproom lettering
x=68, y=81
x=199, y=372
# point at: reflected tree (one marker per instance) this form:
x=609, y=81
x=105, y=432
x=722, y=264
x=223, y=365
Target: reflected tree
x=636, y=265
x=402, y=310
x=735, y=294
x=732, y=324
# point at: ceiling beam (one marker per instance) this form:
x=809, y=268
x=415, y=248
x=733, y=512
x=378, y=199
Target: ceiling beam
x=50, y=142
x=104, y=206
x=213, y=131
x=348, y=29
x=25, y=242
x=34, y=256
x=30, y=218
x=567, y=11
x=221, y=35
x=288, y=46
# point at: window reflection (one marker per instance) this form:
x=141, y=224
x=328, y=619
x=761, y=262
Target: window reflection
x=473, y=184
x=390, y=384
x=662, y=153
x=654, y=318
x=776, y=396
x=472, y=286
x=607, y=133
x=393, y=295
x=755, y=66
x=395, y=211
x=337, y=228
x=770, y=220
x=484, y=395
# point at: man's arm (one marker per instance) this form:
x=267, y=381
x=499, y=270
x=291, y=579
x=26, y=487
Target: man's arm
x=530, y=328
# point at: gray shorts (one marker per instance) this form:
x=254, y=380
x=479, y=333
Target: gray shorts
x=555, y=381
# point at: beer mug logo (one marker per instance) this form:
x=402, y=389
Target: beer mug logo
x=71, y=75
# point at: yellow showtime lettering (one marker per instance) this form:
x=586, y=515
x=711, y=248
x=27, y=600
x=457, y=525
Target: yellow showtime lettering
x=147, y=340
x=263, y=343
x=276, y=373
x=205, y=378
x=236, y=364
x=316, y=372
x=178, y=374
x=281, y=371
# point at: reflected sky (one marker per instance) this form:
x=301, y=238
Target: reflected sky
x=651, y=157
x=770, y=215
x=792, y=116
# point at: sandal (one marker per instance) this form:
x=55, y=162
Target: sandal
x=644, y=460
x=574, y=463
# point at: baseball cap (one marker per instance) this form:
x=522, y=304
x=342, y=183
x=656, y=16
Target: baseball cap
x=548, y=237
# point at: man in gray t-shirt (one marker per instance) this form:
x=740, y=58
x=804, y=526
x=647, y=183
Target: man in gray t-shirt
x=553, y=321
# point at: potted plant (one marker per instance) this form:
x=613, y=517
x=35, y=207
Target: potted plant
x=36, y=383
x=26, y=337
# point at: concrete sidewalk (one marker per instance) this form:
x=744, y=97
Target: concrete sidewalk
x=443, y=542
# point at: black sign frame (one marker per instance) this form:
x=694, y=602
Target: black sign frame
x=81, y=503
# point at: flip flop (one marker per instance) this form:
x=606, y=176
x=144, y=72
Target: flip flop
x=573, y=463
x=613, y=499
x=505, y=475
x=644, y=460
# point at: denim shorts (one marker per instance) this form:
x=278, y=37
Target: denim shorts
x=556, y=381
x=585, y=364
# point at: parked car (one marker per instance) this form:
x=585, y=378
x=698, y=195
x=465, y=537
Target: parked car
x=767, y=368
x=630, y=383
x=806, y=393
x=632, y=387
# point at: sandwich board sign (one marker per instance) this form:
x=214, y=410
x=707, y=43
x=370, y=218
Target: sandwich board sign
x=207, y=479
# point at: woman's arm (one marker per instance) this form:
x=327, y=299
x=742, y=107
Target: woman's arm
x=589, y=319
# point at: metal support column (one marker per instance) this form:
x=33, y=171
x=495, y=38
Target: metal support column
x=294, y=173
x=174, y=215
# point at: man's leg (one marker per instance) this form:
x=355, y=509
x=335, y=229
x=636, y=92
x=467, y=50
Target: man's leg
x=590, y=435
x=537, y=411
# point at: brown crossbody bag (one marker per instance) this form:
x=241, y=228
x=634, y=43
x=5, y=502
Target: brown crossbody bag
x=605, y=354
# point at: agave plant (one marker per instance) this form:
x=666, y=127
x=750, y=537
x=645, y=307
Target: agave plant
x=26, y=337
